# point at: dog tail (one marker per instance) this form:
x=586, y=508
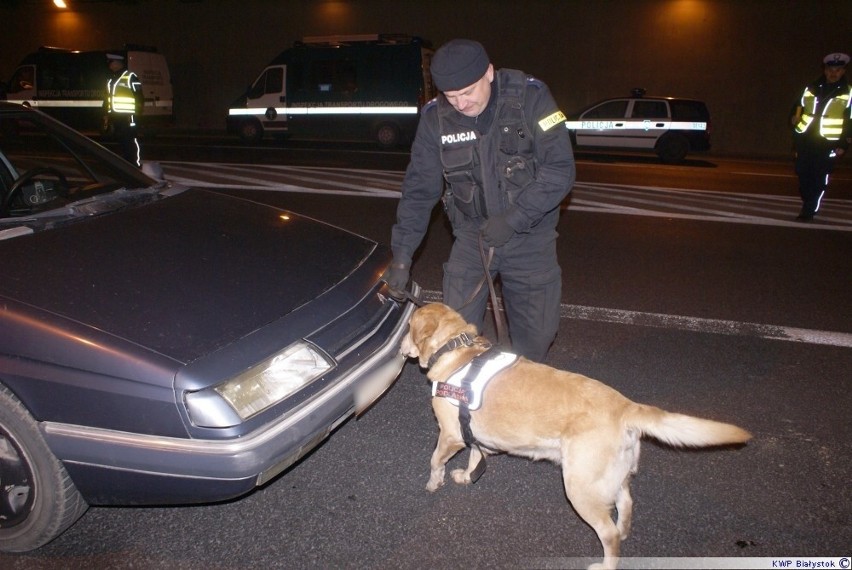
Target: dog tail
x=680, y=430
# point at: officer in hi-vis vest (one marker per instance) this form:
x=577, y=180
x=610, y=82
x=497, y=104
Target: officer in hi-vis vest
x=497, y=146
x=123, y=106
x=821, y=125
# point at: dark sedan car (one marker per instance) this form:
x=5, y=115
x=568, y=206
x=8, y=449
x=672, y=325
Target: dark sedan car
x=166, y=345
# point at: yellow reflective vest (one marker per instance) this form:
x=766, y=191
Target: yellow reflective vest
x=122, y=93
x=833, y=114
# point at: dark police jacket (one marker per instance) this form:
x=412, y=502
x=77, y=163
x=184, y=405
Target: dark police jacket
x=514, y=159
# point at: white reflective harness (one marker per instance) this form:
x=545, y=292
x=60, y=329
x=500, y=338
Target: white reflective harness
x=466, y=385
x=464, y=389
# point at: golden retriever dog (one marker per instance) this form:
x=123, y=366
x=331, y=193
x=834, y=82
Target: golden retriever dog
x=536, y=411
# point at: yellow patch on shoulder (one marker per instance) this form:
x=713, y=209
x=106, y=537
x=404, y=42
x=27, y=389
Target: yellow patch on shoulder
x=551, y=121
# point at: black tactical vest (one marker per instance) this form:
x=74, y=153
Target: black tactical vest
x=485, y=172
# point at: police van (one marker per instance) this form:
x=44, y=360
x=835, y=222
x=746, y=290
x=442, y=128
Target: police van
x=672, y=127
x=363, y=87
x=71, y=85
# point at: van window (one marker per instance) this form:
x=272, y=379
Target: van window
x=333, y=78
x=324, y=80
x=272, y=81
x=61, y=76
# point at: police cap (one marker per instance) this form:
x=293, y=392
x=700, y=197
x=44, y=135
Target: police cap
x=458, y=63
x=836, y=60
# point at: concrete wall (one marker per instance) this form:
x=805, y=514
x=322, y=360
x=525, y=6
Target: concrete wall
x=748, y=59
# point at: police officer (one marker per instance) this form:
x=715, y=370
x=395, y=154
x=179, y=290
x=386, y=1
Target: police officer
x=123, y=105
x=496, y=142
x=821, y=127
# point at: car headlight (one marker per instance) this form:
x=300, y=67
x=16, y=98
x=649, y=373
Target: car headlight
x=258, y=388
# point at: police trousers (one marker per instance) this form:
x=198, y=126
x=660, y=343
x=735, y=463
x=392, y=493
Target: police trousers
x=813, y=169
x=125, y=133
x=531, y=282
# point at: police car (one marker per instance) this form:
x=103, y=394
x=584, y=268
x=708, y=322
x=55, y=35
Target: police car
x=670, y=126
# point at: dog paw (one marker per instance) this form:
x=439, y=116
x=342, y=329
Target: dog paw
x=460, y=476
x=434, y=485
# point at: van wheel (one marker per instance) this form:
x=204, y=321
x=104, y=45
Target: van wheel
x=672, y=148
x=38, y=500
x=251, y=131
x=387, y=134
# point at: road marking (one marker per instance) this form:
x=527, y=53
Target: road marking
x=631, y=200
x=691, y=324
x=333, y=181
x=706, y=205
x=833, y=177
x=769, y=174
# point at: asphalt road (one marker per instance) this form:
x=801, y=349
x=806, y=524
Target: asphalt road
x=744, y=322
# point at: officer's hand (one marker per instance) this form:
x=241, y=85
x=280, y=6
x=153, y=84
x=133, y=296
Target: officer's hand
x=497, y=231
x=396, y=276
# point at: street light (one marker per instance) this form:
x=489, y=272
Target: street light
x=60, y=4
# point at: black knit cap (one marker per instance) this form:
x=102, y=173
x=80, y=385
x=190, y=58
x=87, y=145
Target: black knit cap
x=458, y=63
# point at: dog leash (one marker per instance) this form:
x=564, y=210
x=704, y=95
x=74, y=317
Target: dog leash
x=499, y=321
x=478, y=362
x=411, y=297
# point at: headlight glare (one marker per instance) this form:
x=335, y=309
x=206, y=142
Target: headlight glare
x=261, y=386
x=270, y=382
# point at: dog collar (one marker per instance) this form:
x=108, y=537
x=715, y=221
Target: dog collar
x=459, y=341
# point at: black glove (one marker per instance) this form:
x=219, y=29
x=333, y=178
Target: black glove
x=497, y=231
x=396, y=276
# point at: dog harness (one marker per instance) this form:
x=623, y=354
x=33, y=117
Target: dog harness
x=464, y=389
x=465, y=385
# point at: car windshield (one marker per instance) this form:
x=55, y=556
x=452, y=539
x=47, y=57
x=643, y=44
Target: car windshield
x=50, y=173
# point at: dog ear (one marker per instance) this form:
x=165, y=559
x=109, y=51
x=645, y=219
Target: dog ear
x=424, y=322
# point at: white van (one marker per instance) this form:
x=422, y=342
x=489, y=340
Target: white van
x=363, y=87
x=71, y=85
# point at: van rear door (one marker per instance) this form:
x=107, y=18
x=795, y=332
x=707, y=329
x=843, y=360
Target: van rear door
x=153, y=72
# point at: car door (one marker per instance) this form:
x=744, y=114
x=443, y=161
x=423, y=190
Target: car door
x=267, y=98
x=623, y=123
x=648, y=121
x=603, y=124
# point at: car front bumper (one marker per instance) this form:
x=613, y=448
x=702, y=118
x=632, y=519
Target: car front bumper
x=112, y=467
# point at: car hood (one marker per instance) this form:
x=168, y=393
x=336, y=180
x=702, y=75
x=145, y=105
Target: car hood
x=182, y=276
